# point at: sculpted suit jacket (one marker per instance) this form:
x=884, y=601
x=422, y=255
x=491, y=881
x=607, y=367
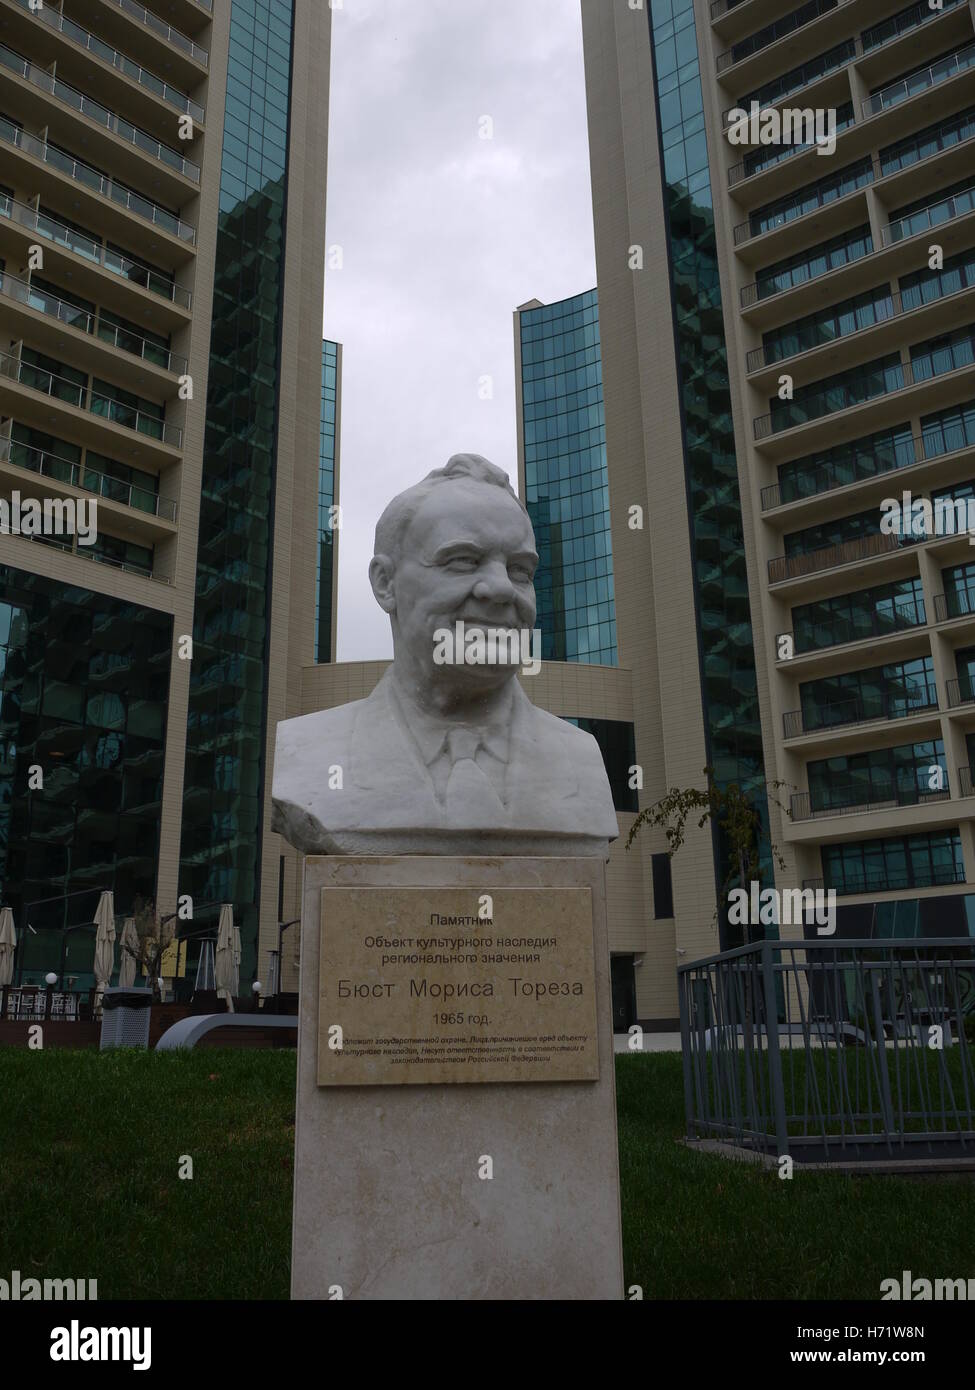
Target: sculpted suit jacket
x=556, y=795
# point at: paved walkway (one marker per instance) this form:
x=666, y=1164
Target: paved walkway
x=652, y=1042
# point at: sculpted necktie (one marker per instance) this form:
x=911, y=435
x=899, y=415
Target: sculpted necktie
x=470, y=797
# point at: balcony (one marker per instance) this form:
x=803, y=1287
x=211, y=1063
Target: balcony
x=870, y=336
x=834, y=206
x=82, y=397
x=23, y=292
x=86, y=553
x=772, y=33
x=857, y=710
x=927, y=218
x=94, y=111
x=79, y=475
x=960, y=691
x=922, y=81
x=94, y=251
x=966, y=783
x=784, y=567
x=902, y=617
x=801, y=807
x=165, y=31
x=148, y=81
x=85, y=176
x=874, y=408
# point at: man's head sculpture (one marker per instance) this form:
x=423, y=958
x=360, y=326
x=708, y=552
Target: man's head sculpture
x=448, y=754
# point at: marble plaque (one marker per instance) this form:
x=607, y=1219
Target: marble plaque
x=434, y=985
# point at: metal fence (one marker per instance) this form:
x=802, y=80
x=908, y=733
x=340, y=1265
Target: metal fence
x=833, y=1051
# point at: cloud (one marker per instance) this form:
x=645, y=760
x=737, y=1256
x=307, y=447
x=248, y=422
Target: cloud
x=443, y=234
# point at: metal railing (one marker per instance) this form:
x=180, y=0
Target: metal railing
x=101, y=115
x=800, y=79
x=81, y=475
x=966, y=780
x=98, y=182
x=165, y=31
x=753, y=293
x=148, y=80
x=836, y=473
x=30, y=295
x=86, y=552
x=901, y=618
x=890, y=306
x=897, y=25
x=81, y=395
x=801, y=807
x=959, y=603
x=960, y=691
x=832, y=1051
x=824, y=195
x=749, y=168
x=93, y=251
x=921, y=81
x=828, y=557
x=836, y=714
x=956, y=206
x=771, y=33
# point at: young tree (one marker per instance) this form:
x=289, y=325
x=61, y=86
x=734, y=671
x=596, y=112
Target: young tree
x=154, y=937
x=735, y=811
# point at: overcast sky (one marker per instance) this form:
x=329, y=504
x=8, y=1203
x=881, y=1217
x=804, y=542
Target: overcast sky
x=443, y=233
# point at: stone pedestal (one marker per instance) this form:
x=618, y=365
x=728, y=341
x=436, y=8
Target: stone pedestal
x=392, y=1195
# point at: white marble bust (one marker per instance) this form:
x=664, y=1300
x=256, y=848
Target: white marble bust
x=445, y=758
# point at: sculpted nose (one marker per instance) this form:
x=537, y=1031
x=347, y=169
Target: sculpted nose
x=493, y=585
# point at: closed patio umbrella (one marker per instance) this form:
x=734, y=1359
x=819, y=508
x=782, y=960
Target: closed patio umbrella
x=104, y=943
x=8, y=945
x=128, y=954
x=228, y=955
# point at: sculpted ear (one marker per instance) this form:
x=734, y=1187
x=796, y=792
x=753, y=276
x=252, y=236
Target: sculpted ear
x=381, y=579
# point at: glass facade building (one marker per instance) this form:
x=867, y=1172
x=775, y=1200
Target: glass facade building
x=565, y=486
x=325, y=556
x=84, y=681
x=224, y=782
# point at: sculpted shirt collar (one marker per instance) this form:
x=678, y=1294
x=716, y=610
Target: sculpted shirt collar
x=430, y=736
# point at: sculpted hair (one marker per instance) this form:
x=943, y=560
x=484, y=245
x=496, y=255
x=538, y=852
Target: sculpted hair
x=402, y=509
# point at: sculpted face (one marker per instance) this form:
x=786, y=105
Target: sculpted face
x=468, y=553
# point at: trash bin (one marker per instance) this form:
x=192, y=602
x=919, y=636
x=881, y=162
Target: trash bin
x=125, y=1018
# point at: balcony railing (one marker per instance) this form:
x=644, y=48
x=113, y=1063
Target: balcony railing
x=86, y=552
x=960, y=691
x=93, y=251
x=890, y=306
x=856, y=710
x=801, y=806
x=959, y=603
x=78, y=35
x=22, y=292
x=763, y=38
x=841, y=631
x=829, y=556
x=743, y=231
x=101, y=115
x=902, y=23
x=80, y=475
x=98, y=182
x=922, y=81
x=747, y=169
x=925, y=218
x=966, y=781
x=164, y=30
x=80, y=395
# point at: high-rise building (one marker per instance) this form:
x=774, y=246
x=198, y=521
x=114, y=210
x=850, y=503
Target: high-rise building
x=326, y=590
x=788, y=342
x=162, y=239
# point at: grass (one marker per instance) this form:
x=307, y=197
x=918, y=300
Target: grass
x=90, y=1146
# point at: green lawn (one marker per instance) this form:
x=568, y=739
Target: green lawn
x=90, y=1145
